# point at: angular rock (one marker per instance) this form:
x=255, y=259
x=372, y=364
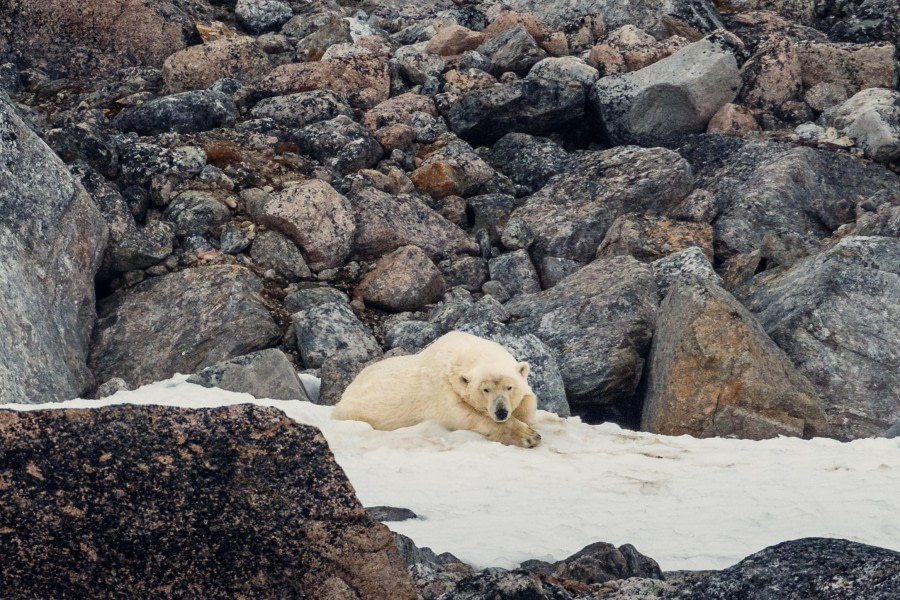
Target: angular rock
x=677, y=95
x=385, y=222
x=552, y=270
x=160, y=169
x=565, y=68
x=855, y=67
x=454, y=170
x=871, y=119
x=571, y=214
x=732, y=119
x=515, y=272
x=198, y=67
x=271, y=250
x=490, y=212
x=180, y=323
x=312, y=296
x=765, y=188
x=315, y=217
x=535, y=106
x=513, y=51
x=713, y=371
x=454, y=39
x=301, y=109
x=185, y=112
x=598, y=323
x=102, y=484
x=196, y=213
x=528, y=160
x=795, y=570
x=263, y=374
x=260, y=16
x=649, y=238
x=499, y=583
x=598, y=563
x=398, y=110
x=691, y=262
x=403, y=280
x=835, y=316
x=411, y=336
x=869, y=21
x=334, y=30
x=772, y=79
x=341, y=144
x=469, y=272
x=52, y=239
x=418, y=64
x=331, y=331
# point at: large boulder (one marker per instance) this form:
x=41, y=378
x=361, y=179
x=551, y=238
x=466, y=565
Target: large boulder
x=571, y=214
x=403, y=280
x=302, y=108
x=598, y=322
x=52, y=239
x=264, y=374
x=805, y=568
x=532, y=105
x=713, y=371
x=330, y=330
x=197, y=67
x=185, y=112
x=767, y=188
x=180, y=323
x=676, y=95
x=340, y=143
x=835, y=315
x=871, y=119
x=245, y=501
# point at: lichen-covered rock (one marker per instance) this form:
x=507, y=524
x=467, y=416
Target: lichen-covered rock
x=536, y=106
x=385, y=222
x=528, y=160
x=677, y=95
x=196, y=213
x=691, y=262
x=301, y=109
x=334, y=30
x=513, y=51
x=598, y=563
x=565, y=68
x=398, y=110
x=713, y=371
x=340, y=143
x=570, y=215
x=799, y=569
x=263, y=374
x=451, y=40
x=515, y=272
x=835, y=316
x=197, y=67
x=106, y=500
x=871, y=119
x=732, y=119
x=185, y=112
x=180, y=323
x=598, y=322
x=330, y=330
x=315, y=217
x=854, y=67
x=648, y=238
x=403, y=280
x=271, y=250
x=260, y=16
x=52, y=239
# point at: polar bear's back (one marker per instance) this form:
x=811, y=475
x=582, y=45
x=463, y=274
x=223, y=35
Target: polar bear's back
x=464, y=351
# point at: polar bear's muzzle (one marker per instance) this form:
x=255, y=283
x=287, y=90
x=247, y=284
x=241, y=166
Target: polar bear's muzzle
x=499, y=409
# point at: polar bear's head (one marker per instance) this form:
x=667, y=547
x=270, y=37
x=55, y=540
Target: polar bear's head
x=494, y=392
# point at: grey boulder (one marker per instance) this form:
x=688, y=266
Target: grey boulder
x=263, y=374
x=871, y=118
x=260, y=16
x=331, y=331
x=340, y=143
x=185, y=112
x=302, y=108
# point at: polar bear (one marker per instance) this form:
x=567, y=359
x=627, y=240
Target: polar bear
x=461, y=381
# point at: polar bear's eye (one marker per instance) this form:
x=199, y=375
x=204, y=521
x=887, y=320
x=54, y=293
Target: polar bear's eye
x=509, y=388
x=485, y=390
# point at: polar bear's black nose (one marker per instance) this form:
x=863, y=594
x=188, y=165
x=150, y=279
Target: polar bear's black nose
x=501, y=414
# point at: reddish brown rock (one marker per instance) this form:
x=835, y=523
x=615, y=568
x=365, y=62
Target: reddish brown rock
x=201, y=66
x=399, y=109
x=437, y=179
x=855, y=67
x=404, y=280
x=648, y=238
x=454, y=39
x=511, y=19
x=772, y=76
x=606, y=59
x=713, y=371
x=732, y=119
x=245, y=502
x=396, y=136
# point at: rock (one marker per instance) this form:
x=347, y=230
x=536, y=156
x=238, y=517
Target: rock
x=732, y=119
x=855, y=67
x=528, y=160
x=515, y=272
x=824, y=95
x=390, y=514
x=469, y=272
x=331, y=330
x=111, y=387
x=196, y=213
x=418, y=64
x=271, y=250
x=507, y=585
x=453, y=39
x=571, y=214
x=513, y=51
x=713, y=371
x=769, y=188
x=598, y=563
x=885, y=221
x=313, y=296
x=385, y=222
x=52, y=239
x=638, y=49
x=691, y=262
x=398, y=110
x=831, y=568
x=871, y=118
x=598, y=322
x=699, y=207
x=544, y=378
x=129, y=247
x=160, y=169
x=340, y=144
x=462, y=80
x=198, y=67
x=893, y=431
x=180, y=323
x=362, y=76
x=677, y=95
x=411, y=336
x=108, y=479
x=834, y=316
x=648, y=238
x=552, y=270
x=403, y=280
x=337, y=373
x=233, y=240
x=454, y=170
x=869, y=21
x=301, y=109
x=534, y=106
x=565, y=68
x=490, y=212
x=185, y=112
x=334, y=30
x=772, y=77
x=315, y=217
x=260, y=16
x=263, y=374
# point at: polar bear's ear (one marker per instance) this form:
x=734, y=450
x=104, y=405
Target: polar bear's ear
x=464, y=380
x=524, y=369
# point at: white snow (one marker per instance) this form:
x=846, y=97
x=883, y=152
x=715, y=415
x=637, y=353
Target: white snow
x=688, y=503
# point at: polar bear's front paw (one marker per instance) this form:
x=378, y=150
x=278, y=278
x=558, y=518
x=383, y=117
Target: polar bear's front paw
x=525, y=437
